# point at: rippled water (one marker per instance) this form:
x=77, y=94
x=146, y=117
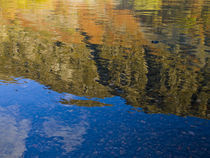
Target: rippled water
x=94, y=78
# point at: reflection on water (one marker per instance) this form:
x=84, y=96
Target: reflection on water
x=34, y=124
x=71, y=137
x=13, y=133
x=136, y=50
x=149, y=54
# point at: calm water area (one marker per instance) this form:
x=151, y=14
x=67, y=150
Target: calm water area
x=104, y=78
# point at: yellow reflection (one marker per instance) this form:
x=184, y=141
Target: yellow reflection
x=57, y=38
x=147, y=5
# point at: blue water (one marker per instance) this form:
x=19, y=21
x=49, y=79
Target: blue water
x=34, y=123
x=104, y=79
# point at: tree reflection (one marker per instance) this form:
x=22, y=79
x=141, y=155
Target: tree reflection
x=103, y=49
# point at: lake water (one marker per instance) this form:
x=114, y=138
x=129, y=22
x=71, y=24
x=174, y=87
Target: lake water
x=104, y=78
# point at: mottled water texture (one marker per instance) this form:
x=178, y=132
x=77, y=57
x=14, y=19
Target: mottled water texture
x=96, y=78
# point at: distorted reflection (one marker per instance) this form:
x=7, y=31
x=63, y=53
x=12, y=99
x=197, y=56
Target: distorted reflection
x=12, y=133
x=71, y=136
x=125, y=59
x=135, y=50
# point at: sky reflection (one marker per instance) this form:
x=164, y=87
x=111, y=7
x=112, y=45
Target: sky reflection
x=13, y=132
x=95, y=78
x=43, y=126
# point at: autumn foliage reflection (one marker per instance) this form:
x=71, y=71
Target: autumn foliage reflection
x=103, y=48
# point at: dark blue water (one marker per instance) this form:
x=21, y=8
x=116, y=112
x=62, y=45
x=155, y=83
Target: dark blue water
x=34, y=123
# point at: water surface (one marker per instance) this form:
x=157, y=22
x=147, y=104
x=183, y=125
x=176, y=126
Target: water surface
x=104, y=78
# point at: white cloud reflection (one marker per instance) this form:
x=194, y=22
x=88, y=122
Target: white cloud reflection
x=72, y=134
x=12, y=133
